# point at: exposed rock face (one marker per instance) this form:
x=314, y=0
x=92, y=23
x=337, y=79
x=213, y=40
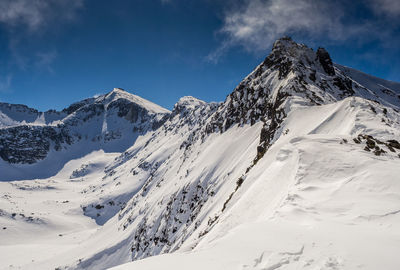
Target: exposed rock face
x=77, y=105
x=29, y=144
x=325, y=60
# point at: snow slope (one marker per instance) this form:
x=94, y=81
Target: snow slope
x=383, y=89
x=297, y=169
x=317, y=200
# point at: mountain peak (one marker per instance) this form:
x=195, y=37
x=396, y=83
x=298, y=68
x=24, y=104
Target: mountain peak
x=295, y=52
x=283, y=41
x=118, y=90
x=119, y=93
x=286, y=45
x=116, y=93
x=286, y=55
x=188, y=103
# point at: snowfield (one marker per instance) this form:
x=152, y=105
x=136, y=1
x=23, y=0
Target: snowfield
x=299, y=168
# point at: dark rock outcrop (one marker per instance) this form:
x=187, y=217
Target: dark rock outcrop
x=325, y=60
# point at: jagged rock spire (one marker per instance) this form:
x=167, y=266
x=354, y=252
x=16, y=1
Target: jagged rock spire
x=325, y=60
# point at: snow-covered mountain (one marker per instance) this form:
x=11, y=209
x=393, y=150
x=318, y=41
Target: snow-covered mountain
x=111, y=122
x=297, y=169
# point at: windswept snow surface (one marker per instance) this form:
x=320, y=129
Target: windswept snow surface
x=313, y=202
x=297, y=169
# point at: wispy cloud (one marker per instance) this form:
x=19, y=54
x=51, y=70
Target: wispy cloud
x=5, y=83
x=44, y=60
x=386, y=7
x=34, y=14
x=25, y=20
x=255, y=24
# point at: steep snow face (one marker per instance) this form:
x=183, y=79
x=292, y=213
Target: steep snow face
x=293, y=166
x=319, y=198
x=111, y=122
x=383, y=91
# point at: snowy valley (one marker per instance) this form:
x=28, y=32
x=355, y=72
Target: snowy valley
x=299, y=168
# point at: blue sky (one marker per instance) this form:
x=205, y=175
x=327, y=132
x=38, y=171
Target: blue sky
x=55, y=52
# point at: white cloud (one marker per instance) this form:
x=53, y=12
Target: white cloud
x=262, y=21
x=256, y=24
x=33, y=14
